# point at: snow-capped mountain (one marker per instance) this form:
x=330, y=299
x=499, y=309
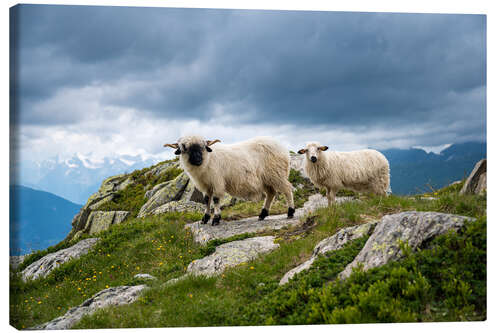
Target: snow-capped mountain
x=76, y=178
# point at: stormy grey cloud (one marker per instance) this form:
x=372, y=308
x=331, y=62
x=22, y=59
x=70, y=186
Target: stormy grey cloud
x=408, y=79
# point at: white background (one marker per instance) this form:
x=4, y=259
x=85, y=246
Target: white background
x=422, y=6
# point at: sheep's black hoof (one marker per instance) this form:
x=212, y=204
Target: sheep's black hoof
x=216, y=220
x=263, y=214
x=205, y=218
x=291, y=211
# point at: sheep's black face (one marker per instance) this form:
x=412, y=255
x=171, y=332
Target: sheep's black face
x=195, y=153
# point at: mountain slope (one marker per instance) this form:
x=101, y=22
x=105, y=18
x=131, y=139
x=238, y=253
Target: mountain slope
x=38, y=219
x=415, y=171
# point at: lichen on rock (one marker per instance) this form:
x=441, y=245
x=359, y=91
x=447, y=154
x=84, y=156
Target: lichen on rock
x=101, y=220
x=413, y=228
x=170, y=192
x=43, y=266
x=113, y=296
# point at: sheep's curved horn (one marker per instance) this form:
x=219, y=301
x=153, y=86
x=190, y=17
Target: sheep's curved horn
x=171, y=145
x=211, y=142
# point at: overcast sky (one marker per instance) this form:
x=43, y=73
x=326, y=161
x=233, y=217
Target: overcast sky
x=102, y=81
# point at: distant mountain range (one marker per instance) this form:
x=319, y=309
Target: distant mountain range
x=38, y=219
x=415, y=171
x=77, y=178
x=412, y=170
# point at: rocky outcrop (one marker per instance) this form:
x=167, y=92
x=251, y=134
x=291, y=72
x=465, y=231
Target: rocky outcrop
x=179, y=206
x=100, y=220
x=317, y=201
x=229, y=255
x=158, y=170
x=113, y=296
x=45, y=265
x=332, y=243
x=413, y=228
x=476, y=182
x=105, y=193
x=92, y=218
x=172, y=191
x=178, y=195
x=232, y=254
x=16, y=261
x=204, y=233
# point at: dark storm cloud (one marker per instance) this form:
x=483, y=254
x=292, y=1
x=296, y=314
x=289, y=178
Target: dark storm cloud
x=307, y=68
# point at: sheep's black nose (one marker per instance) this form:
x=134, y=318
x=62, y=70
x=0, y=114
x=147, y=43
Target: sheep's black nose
x=314, y=159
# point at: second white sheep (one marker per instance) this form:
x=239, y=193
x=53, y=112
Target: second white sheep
x=365, y=171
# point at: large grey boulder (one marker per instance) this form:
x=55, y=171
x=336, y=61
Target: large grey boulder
x=228, y=255
x=155, y=189
x=412, y=227
x=329, y=244
x=476, y=182
x=231, y=254
x=179, y=206
x=170, y=192
x=105, y=193
x=204, y=233
x=43, y=266
x=113, y=296
x=101, y=220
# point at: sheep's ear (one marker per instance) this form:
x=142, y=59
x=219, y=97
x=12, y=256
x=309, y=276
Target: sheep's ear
x=211, y=142
x=171, y=145
x=323, y=148
x=178, y=151
x=208, y=149
x=302, y=151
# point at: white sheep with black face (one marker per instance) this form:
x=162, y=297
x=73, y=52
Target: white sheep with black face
x=245, y=170
x=361, y=171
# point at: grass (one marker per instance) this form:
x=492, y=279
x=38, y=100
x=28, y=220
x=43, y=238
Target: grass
x=132, y=197
x=418, y=288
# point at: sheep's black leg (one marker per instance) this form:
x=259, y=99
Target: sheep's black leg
x=291, y=211
x=263, y=213
x=216, y=219
x=206, y=217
